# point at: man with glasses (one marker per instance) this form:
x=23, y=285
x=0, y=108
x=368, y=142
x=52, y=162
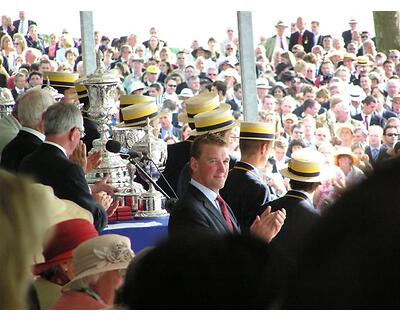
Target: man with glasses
x=390, y=136
x=170, y=91
x=212, y=73
x=49, y=164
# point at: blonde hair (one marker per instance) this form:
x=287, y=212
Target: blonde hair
x=24, y=211
x=20, y=37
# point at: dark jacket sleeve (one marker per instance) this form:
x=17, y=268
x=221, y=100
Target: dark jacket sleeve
x=78, y=191
x=187, y=219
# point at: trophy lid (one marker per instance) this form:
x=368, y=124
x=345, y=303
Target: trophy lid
x=100, y=75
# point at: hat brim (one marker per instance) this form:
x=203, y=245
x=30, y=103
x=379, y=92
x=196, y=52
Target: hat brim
x=134, y=124
x=287, y=174
x=42, y=267
x=352, y=156
x=183, y=117
x=207, y=53
x=255, y=138
x=94, y=271
x=234, y=124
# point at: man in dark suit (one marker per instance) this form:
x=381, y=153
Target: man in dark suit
x=20, y=83
x=318, y=37
x=50, y=165
x=367, y=115
x=347, y=35
x=302, y=36
x=23, y=24
x=245, y=190
x=304, y=172
x=236, y=102
x=376, y=152
x=31, y=106
x=201, y=209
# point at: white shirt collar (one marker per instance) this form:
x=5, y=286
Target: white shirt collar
x=58, y=146
x=36, y=133
x=211, y=195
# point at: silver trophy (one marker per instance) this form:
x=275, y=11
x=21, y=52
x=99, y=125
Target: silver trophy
x=151, y=203
x=6, y=102
x=102, y=91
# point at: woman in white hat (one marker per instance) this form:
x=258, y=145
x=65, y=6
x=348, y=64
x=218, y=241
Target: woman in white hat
x=100, y=264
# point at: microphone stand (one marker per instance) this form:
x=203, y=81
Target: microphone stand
x=137, y=165
x=161, y=174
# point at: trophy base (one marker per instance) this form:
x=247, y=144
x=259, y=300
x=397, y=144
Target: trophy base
x=151, y=214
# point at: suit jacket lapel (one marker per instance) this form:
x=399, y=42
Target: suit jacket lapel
x=212, y=209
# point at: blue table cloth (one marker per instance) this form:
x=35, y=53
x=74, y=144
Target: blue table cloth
x=143, y=232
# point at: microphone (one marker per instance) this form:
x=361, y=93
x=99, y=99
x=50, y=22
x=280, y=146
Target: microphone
x=114, y=146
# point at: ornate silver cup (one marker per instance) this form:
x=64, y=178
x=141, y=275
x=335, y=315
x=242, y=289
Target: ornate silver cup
x=152, y=202
x=102, y=90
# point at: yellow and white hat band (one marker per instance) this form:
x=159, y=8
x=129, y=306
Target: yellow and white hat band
x=137, y=113
x=256, y=130
x=128, y=100
x=214, y=126
x=304, y=169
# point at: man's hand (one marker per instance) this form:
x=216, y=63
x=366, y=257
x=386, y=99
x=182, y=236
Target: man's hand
x=79, y=155
x=103, y=199
x=93, y=161
x=103, y=186
x=268, y=224
x=112, y=208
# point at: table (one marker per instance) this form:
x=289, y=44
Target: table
x=143, y=232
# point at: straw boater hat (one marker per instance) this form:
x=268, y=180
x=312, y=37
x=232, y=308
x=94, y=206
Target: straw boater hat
x=137, y=115
x=256, y=131
x=129, y=100
x=345, y=152
x=101, y=254
x=61, y=80
x=305, y=165
x=205, y=101
x=363, y=61
x=213, y=121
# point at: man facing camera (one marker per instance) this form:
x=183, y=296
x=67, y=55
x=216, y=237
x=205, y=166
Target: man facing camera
x=201, y=209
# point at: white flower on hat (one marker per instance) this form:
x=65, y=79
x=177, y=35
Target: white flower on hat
x=118, y=252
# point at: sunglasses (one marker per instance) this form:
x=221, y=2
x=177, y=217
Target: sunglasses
x=392, y=134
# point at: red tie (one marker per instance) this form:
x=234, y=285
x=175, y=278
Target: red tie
x=225, y=212
x=300, y=39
